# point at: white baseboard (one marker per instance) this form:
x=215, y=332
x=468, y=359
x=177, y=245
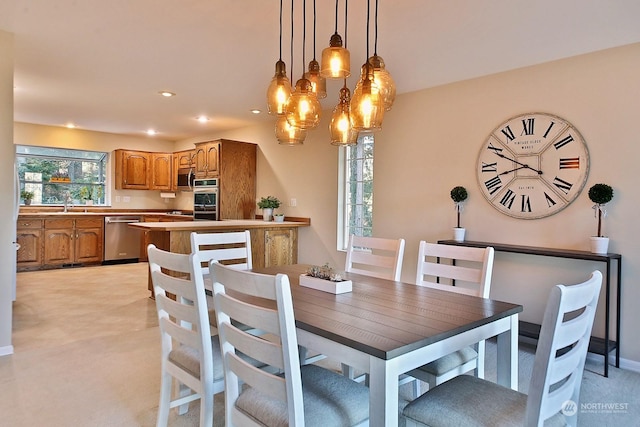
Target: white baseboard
x=6, y=350
x=629, y=365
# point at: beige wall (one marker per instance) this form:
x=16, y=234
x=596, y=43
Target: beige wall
x=430, y=143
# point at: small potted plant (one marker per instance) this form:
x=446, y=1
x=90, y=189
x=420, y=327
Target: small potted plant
x=268, y=204
x=600, y=194
x=323, y=278
x=26, y=196
x=279, y=217
x=459, y=195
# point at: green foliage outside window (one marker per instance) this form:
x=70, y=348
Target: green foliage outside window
x=49, y=173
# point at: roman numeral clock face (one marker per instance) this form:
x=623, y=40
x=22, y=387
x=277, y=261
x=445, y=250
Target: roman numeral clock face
x=532, y=166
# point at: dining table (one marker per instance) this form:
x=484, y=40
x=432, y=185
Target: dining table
x=387, y=328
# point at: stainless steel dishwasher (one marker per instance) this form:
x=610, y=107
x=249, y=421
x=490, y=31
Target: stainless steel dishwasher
x=121, y=242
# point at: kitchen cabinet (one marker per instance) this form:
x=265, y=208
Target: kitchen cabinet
x=132, y=170
x=161, y=171
x=280, y=247
x=234, y=164
x=73, y=241
x=184, y=159
x=29, y=237
x=207, y=159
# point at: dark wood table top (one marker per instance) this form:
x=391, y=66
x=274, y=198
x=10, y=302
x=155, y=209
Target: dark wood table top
x=384, y=318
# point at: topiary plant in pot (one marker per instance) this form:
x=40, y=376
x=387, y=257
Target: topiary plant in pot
x=600, y=194
x=268, y=204
x=459, y=195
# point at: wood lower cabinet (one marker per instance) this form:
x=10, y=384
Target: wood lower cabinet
x=29, y=237
x=279, y=247
x=73, y=241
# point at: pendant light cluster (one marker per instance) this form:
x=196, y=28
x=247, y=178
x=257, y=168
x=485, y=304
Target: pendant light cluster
x=299, y=110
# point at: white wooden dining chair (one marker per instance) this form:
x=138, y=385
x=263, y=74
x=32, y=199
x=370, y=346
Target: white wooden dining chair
x=233, y=248
x=554, y=391
x=302, y=395
x=463, y=270
x=375, y=257
x=189, y=354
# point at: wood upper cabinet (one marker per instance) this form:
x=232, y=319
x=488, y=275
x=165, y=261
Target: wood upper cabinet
x=207, y=159
x=73, y=241
x=132, y=170
x=184, y=159
x=29, y=237
x=161, y=171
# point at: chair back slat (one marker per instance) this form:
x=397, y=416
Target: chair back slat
x=439, y=264
x=375, y=257
x=233, y=248
x=557, y=376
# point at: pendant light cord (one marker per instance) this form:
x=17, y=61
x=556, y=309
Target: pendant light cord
x=375, y=45
x=314, y=30
x=368, y=7
x=304, y=34
x=336, y=29
x=292, y=41
x=280, y=30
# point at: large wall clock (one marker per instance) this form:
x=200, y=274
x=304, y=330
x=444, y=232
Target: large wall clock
x=533, y=165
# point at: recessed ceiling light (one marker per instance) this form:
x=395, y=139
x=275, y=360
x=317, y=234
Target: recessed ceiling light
x=202, y=119
x=70, y=125
x=151, y=132
x=256, y=111
x=166, y=93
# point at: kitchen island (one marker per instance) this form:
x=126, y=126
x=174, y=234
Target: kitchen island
x=272, y=243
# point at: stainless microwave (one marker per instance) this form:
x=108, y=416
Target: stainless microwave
x=185, y=179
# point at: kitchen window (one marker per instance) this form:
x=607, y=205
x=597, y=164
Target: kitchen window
x=355, y=204
x=53, y=173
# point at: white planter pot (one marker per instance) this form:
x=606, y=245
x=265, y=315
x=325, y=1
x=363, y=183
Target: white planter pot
x=599, y=245
x=267, y=214
x=458, y=234
x=325, y=285
x=278, y=218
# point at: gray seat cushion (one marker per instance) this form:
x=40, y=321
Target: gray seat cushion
x=466, y=401
x=450, y=361
x=330, y=399
x=188, y=359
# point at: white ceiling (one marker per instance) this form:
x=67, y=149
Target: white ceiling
x=100, y=64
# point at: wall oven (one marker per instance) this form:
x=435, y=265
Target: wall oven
x=205, y=199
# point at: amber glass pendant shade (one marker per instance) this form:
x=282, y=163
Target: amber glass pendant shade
x=340, y=129
x=336, y=60
x=382, y=78
x=303, y=108
x=367, y=108
x=287, y=134
x=279, y=90
x=318, y=83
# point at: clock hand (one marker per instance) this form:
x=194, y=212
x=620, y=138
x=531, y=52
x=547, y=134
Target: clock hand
x=518, y=163
x=513, y=170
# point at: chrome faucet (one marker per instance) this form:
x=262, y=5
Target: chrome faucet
x=67, y=201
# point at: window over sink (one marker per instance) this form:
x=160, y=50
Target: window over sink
x=53, y=173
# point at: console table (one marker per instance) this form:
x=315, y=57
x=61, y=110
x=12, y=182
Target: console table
x=531, y=330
